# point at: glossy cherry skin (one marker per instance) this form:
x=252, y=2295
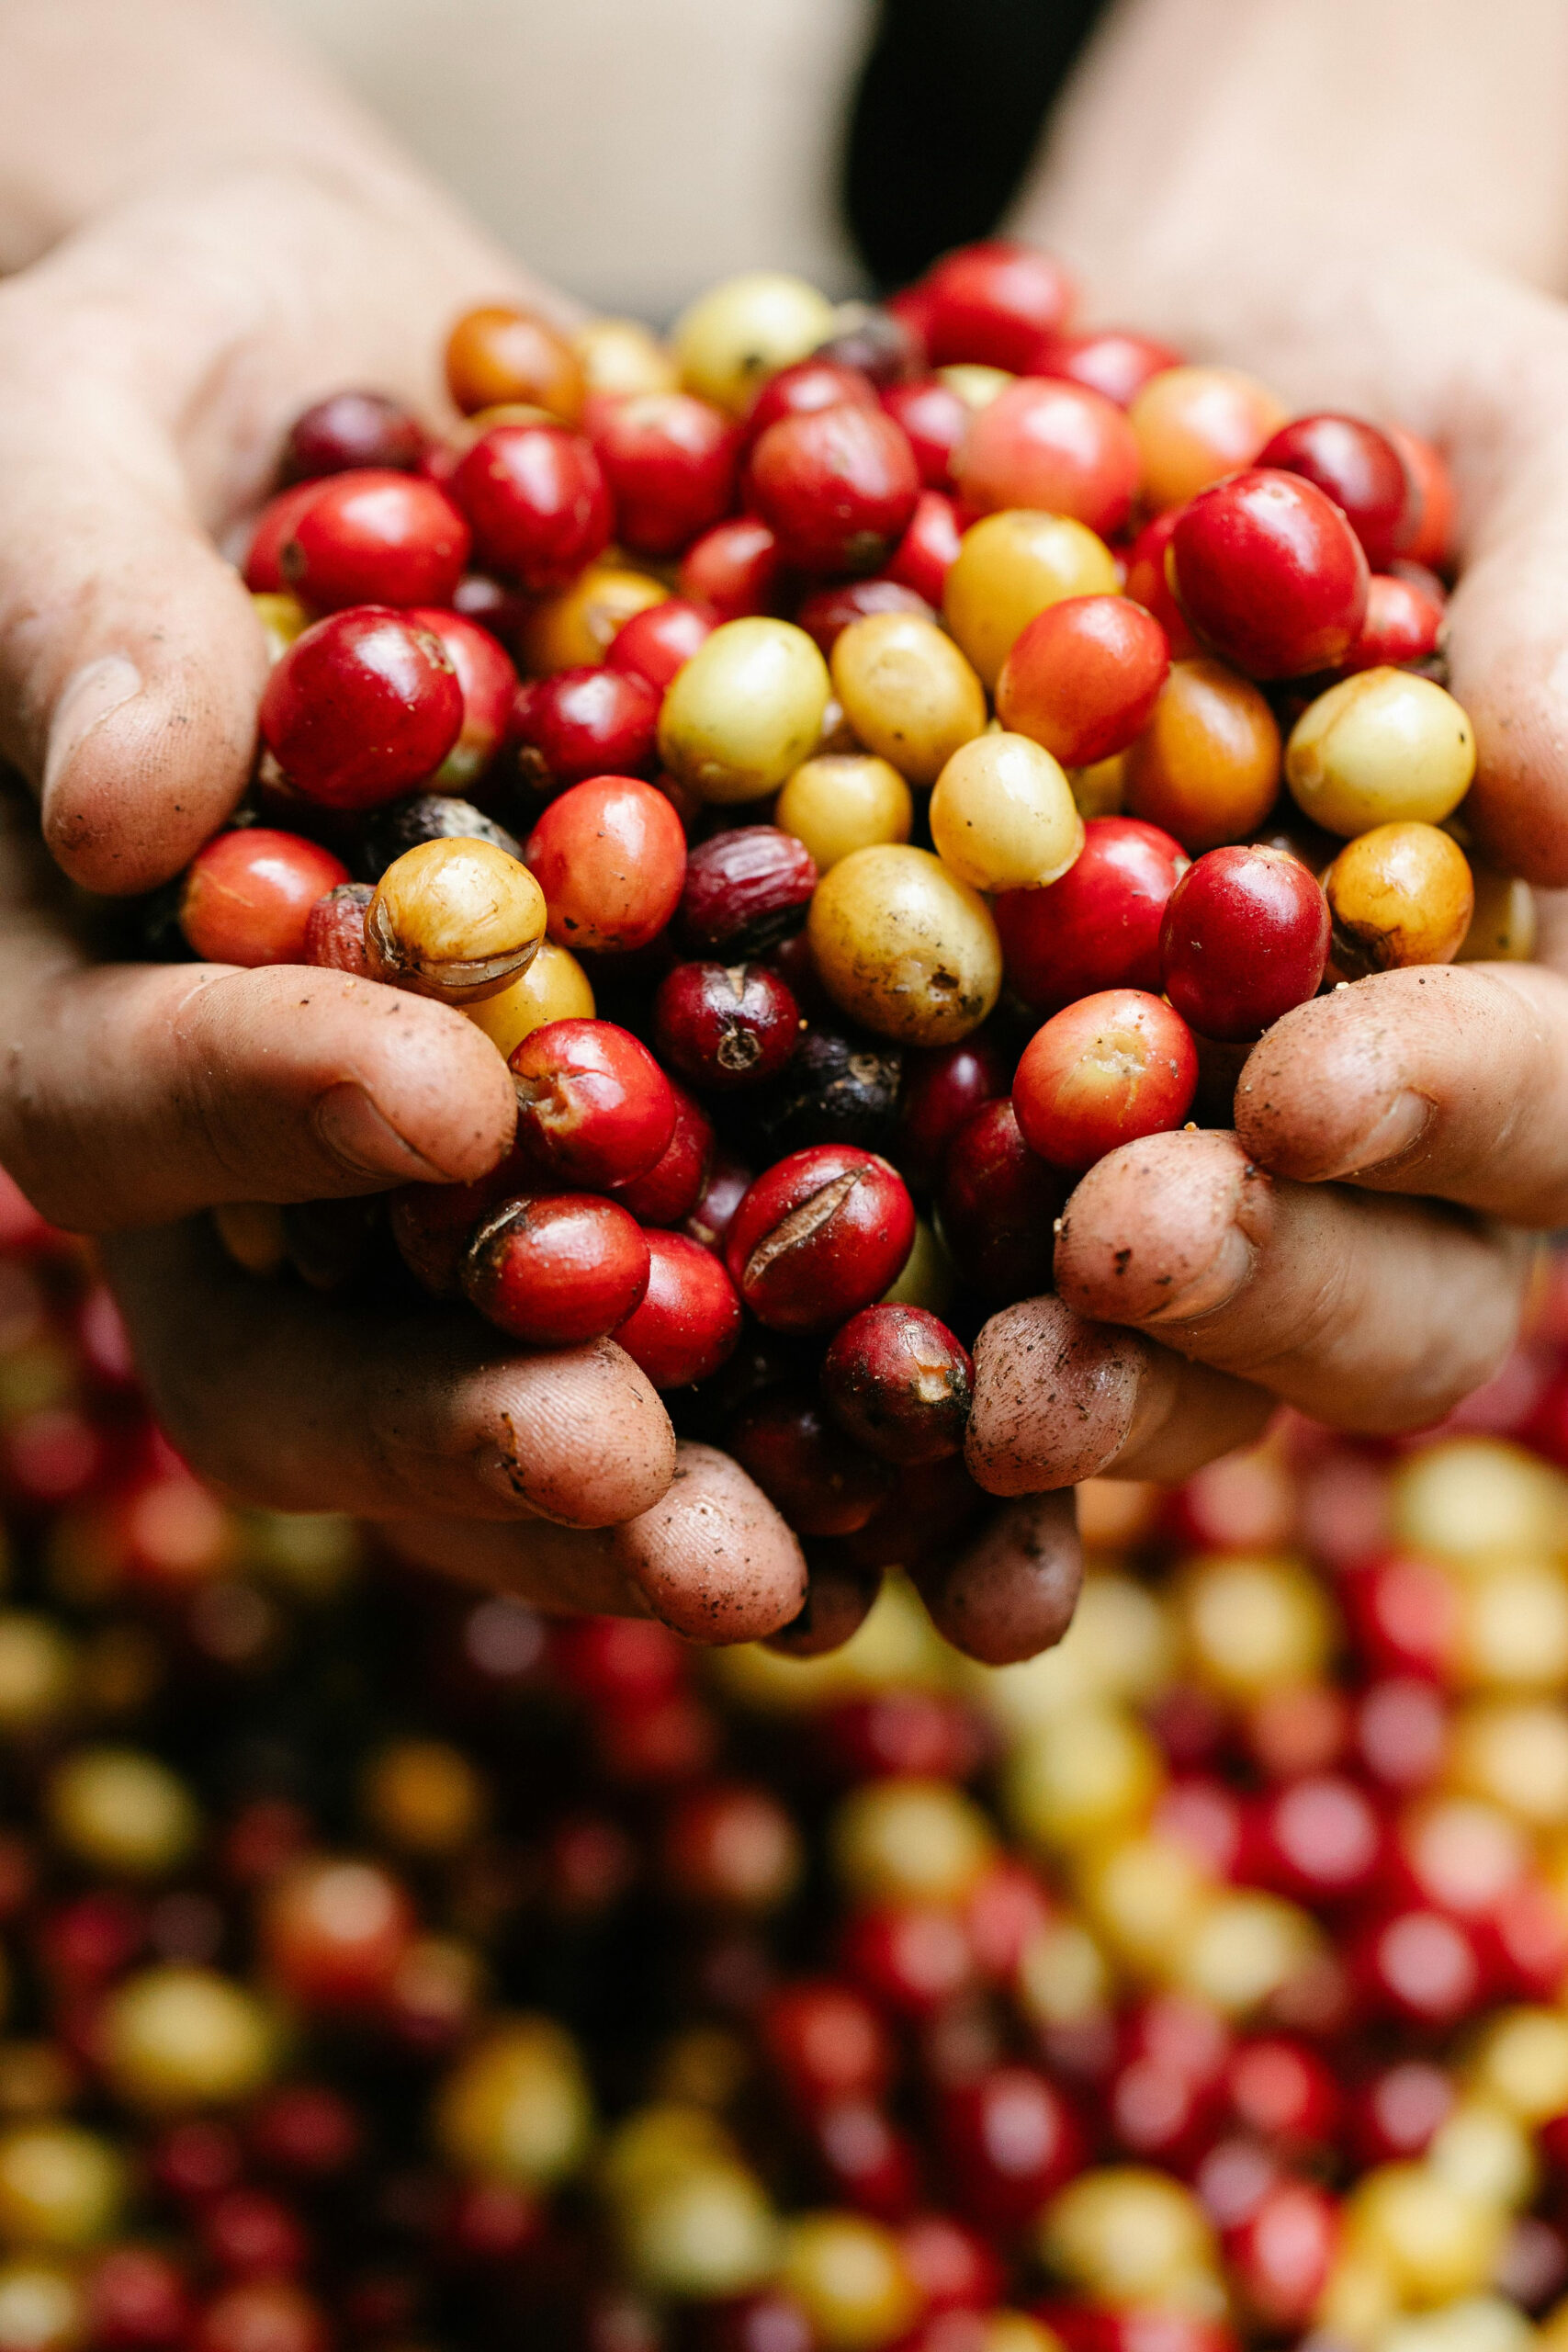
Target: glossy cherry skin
x=1359, y=468
x=361, y=707
x=688, y=1321
x=935, y=419
x=729, y=1181
x=248, y=895
x=578, y=723
x=1108, y=360
x=488, y=677
x=1418, y=1966
x=1318, y=1839
x=1010, y=2141
x=1083, y=677
x=822, y=1233
x=594, y=1105
x=1284, y=2091
x=734, y=571
x=998, y=1201
x=818, y=1480
x=899, y=1382
x=660, y=640
x=913, y=1958
x=1402, y=623
x=1053, y=446
x=801, y=390
x=1281, y=2256
x=837, y=486
x=1148, y=585
x=349, y=430
x=1269, y=574
x=376, y=538
x=745, y=890
x=558, y=1269
x=1102, y=1072
x=670, y=461
x=263, y=567
x=725, y=1026
x=826, y=2041
x=992, y=302
x=672, y=1188
x=1099, y=927
x=827, y=612
x=332, y=1931
x=1430, y=529
x=610, y=856
x=942, y=1089
x=537, y=499
x=139, y=2301
x=924, y=556
x=1246, y=937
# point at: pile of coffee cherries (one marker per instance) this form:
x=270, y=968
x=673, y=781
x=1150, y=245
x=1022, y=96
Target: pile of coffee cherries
x=859, y=766
x=384, y=1968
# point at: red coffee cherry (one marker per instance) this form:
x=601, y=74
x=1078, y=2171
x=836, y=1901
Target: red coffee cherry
x=432, y=1224
x=263, y=567
x=610, y=857
x=307, y=2132
x=992, y=302
x=1402, y=623
x=828, y=611
x=802, y=390
x=248, y=897
x=735, y=569
x=1268, y=572
x=826, y=2041
x=899, y=1382
x=1108, y=360
x=935, y=419
x=1010, y=2139
x=729, y=1181
x=376, y=538
x=925, y=555
x=823, y=1232
x=361, y=707
x=837, y=486
x=943, y=1087
x=594, y=1105
x=660, y=640
x=578, y=723
x=1102, y=1072
x=998, y=1201
x=1245, y=937
x=536, y=497
x=1359, y=468
x=726, y=1025
x=746, y=889
x=348, y=431
x=1099, y=927
x=819, y=1481
x=487, y=679
x=333, y=1931
x=1083, y=677
x=688, y=1321
x=334, y=929
x=1147, y=583
x=251, y=2233
x=674, y=1185
x=1053, y=446
x=556, y=1269
x=273, y=2313
x=670, y=461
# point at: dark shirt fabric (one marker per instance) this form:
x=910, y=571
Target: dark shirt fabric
x=946, y=115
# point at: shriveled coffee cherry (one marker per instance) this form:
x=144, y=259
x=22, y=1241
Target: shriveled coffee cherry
x=335, y=930
x=536, y=497
x=835, y=1090
x=689, y=1320
x=1107, y=359
x=496, y=354
x=361, y=707
x=942, y=1090
x=248, y=895
x=556, y=1269
x=670, y=461
x=1398, y=895
x=1054, y=446
x=350, y=430
x=1246, y=937
x=1269, y=573
x=657, y=642
x=584, y=722
x=998, y=1201
x=1402, y=622
x=868, y=335
x=726, y=1025
x=1104, y=1072
x=376, y=538
x=899, y=1382
x=734, y=570
x=673, y=1186
x=935, y=420
x=827, y=612
x=423, y=816
x=821, y=1482
x=837, y=486
x=1207, y=768
x=594, y=1105
x=992, y=302
x=926, y=553
x=457, y=920
x=488, y=677
x=1359, y=468
x=745, y=890
x=1099, y=927
x=1083, y=678
x=822, y=1233
x=610, y=856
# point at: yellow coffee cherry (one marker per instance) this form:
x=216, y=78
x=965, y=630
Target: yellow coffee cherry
x=1521, y=2063
x=1514, y=1626
x=842, y=801
x=1478, y=1498
x=904, y=946
x=623, y=355
x=1483, y=2150
x=1380, y=748
x=1080, y=1777
x=1101, y=790
x=554, y=987
x=41, y=2309
x=1064, y=1977
x=282, y=619
x=1124, y=2234
x=699, y=2234
x=1251, y=1623
x=1244, y=1947
x=1144, y=1895
x=1360, y=2300
x=1121, y=1645
x=1399, y=895
x=849, y=2273
x=1503, y=926
x=928, y=1278
x=424, y=1797
x=36, y=2078
x=1010, y=566
x=1016, y=2332
x=122, y=1812
x=731, y=339
x=179, y=2037
x=1436, y=2240
x=1003, y=816
x=907, y=692
x=572, y=631
x=516, y=2106
x=60, y=2187
x=1193, y=425
x=976, y=385
x=1514, y=1752
x=653, y=2144
x=745, y=711
x=910, y=1841
x=702, y=2067
x=38, y=1671
x=1488, y=2322
x=454, y=918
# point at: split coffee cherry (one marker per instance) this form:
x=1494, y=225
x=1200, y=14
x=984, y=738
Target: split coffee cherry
x=745, y=890
x=835, y=1090
x=844, y=801
x=818, y=1481
x=361, y=707
x=811, y=386
x=731, y=339
x=836, y=486
x=1103, y=1072
x=673, y=1187
x=1402, y=623
x=1108, y=360
x=733, y=571
x=998, y=1201
x=670, y=462
x=348, y=432
x=423, y=817
x=991, y=303
x=899, y=1382
x=823, y=1233
x=594, y=1105
x=1010, y=566
x=1246, y=937
x=934, y=419
x=1207, y=768
x=745, y=711
x=1196, y=425
x=904, y=946
x=1147, y=583
x=1269, y=573
x=455, y=920
x=335, y=930
x=926, y=553
x=1099, y=927
x=1380, y=748
x=496, y=354
x=653, y=644
x=610, y=856
x=250, y=896
x=1003, y=817
x=1399, y=895
x=1083, y=678
x=558, y=1269
x=536, y=498
x=376, y=538
x=1359, y=468
x=584, y=722
x=726, y=1025
x=941, y=1091
x=1056, y=446
x=827, y=612
x=487, y=679
x=688, y=1321
x=907, y=692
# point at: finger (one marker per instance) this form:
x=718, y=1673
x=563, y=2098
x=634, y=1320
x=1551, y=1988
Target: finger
x=287, y=1399
x=1058, y=1400
x=1452, y=1080
x=1375, y=1314
x=839, y=1600
x=1011, y=1593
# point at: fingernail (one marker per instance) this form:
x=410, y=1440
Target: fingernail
x=1402, y=1125
x=354, y=1132
x=1214, y=1285
x=94, y=694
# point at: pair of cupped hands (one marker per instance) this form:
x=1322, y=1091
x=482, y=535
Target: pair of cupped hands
x=1357, y=1248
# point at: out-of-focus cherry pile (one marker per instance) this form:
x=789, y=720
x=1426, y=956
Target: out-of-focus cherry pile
x=385, y=1966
